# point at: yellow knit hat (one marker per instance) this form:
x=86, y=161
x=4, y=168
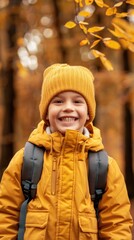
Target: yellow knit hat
x=63, y=77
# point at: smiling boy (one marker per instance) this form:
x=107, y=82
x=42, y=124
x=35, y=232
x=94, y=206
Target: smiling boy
x=62, y=208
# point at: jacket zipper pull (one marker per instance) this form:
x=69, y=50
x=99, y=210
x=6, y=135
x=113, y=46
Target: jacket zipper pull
x=54, y=177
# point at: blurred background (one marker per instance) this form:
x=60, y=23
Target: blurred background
x=32, y=37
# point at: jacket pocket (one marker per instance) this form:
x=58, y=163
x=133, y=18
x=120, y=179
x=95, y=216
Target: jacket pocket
x=36, y=224
x=88, y=229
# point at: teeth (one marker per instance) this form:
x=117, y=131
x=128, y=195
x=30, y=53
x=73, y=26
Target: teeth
x=68, y=119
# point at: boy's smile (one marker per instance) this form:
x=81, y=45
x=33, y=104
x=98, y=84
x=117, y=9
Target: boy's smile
x=67, y=110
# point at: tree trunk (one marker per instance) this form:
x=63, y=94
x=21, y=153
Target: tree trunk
x=8, y=93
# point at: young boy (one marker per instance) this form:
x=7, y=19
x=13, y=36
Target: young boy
x=62, y=209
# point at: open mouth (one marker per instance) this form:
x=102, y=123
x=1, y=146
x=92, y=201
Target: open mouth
x=68, y=119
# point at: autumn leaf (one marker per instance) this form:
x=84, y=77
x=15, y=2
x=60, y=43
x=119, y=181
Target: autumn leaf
x=99, y=3
x=97, y=53
x=106, y=63
x=111, y=11
x=95, y=29
x=130, y=2
x=111, y=44
x=70, y=24
x=114, y=33
x=131, y=12
x=84, y=42
x=131, y=47
x=119, y=31
x=96, y=35
x=88, y=2
x=118, y=4
x=124, y=43
x=79, y=2
x=84, y=23
x=121, y=15
x=95, y=43
x=83, y=28
x=84, y=14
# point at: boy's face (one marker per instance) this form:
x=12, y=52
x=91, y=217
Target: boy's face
x=67, y=110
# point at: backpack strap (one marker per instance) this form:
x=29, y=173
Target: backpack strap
x=30, y=176
x=97, y=175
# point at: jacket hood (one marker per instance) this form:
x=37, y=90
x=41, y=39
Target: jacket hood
x=41, y=138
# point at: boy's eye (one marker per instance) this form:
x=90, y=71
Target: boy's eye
x=57, y=101
x=78, y=101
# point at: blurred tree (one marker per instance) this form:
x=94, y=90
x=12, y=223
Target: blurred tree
x=8, y=90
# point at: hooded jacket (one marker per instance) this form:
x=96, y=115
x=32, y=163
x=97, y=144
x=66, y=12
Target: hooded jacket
x=62, y=209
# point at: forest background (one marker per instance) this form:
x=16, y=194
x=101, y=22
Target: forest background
x=37, y=33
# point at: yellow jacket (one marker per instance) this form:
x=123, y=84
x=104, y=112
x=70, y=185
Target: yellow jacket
x=62, y=209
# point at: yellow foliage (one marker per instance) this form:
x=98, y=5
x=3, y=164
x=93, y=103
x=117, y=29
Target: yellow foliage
x=95, y=43
x=125, y=29
x=122, y=30
x=121, y=15
x=97, y=53
x=88, y=2
x=106, y=63
x=79, y=2
x=130, y=2
x=70, y=24
x=124, y=43
x=114, y=33
x=84, y=42
x=124, y=24
x=127, y=45
x=131, y=12
x=99, y=3
x=84, y=23
x=96, y=35
x=111, y=11
x=83, y=28
x=95, y=29
x=84, y=14
x=119, y=31
x=131, y=47
x=111, y=44
x=118, y=4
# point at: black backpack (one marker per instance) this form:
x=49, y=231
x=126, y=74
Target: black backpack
x=32, y=169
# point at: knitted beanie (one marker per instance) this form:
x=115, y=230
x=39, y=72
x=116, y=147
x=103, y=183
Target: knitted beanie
x=63, y=77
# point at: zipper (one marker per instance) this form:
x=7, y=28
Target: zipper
x=53, y=190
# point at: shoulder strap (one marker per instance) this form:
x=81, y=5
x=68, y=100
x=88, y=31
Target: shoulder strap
x=31, y=173
x=31, y=169
x=97, y=175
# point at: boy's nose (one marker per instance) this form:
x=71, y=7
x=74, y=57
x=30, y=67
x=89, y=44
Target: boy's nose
x=68, y=106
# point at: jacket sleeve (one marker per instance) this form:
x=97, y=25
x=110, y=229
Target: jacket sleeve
x=115, y=221
x=11, y=197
